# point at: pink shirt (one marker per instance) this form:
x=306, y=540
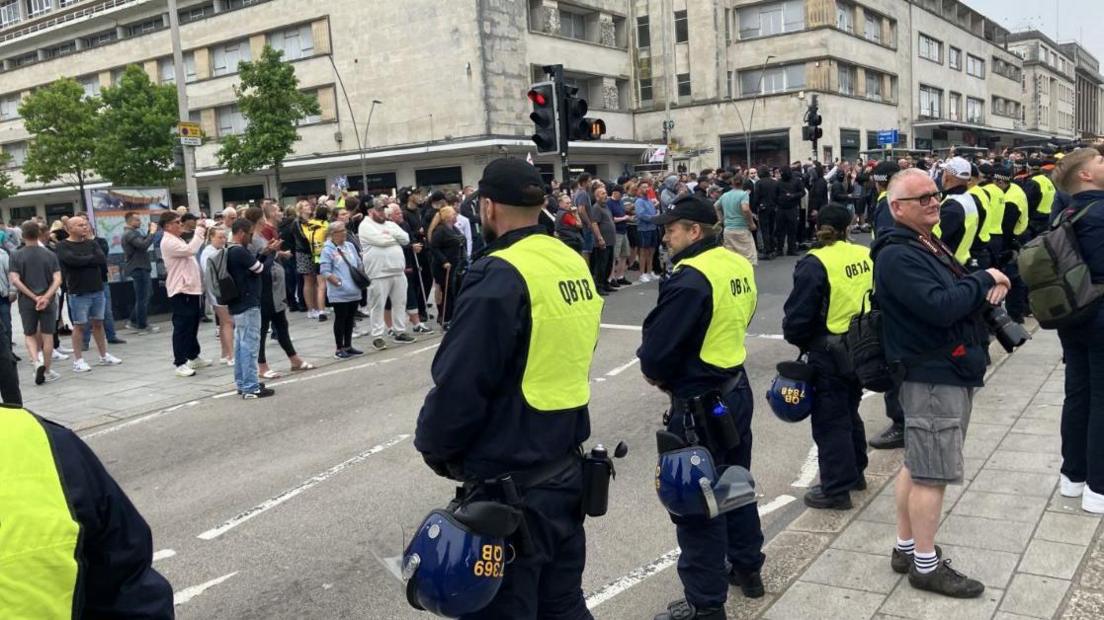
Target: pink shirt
x=181, y=266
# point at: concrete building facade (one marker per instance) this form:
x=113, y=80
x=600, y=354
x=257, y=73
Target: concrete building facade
x=1089, y=91
x=1048, y=86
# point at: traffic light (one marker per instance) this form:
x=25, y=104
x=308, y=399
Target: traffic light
x=812, y=131
x=579, y=127
x=545, y=117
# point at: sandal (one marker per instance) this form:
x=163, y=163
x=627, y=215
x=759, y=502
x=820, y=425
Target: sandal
x=303, y=366
x=271, y=374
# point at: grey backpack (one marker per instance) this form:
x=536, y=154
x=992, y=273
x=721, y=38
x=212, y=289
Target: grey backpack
x=1060, y=287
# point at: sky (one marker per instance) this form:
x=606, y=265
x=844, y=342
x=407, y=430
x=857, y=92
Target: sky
x=1061, y=20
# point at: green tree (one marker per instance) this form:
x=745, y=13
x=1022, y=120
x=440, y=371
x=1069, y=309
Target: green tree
x=135, y=129
x=272, y=104
x=63, y=122
x=7, y=188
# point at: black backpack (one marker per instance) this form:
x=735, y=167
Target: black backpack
x=219, y=280
x=867, y=352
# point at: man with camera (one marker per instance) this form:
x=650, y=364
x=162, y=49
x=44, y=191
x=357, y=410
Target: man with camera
x=933, y=327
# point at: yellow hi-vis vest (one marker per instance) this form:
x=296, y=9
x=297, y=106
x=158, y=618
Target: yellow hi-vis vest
x=983, y=198
x=962, y=252
x=732, y=281
x=994, y=217
x=565, y=311
x=850, y=277
x=1046, y=187
x=1015, y=195
x=38, y=534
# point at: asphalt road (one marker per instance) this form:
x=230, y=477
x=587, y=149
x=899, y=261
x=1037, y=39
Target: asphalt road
x=285, y=507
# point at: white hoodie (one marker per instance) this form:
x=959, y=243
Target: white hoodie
x=382, y=246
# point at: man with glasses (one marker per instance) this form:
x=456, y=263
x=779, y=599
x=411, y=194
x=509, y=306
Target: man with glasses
x=933, y=327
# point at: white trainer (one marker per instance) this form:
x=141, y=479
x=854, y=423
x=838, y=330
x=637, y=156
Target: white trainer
x=81, y=366
x=1069, y=488
x=198, y=362
x=108, y=359
x=1092, y=501
x=184, y=370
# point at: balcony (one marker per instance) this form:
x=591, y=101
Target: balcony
x=46, y=14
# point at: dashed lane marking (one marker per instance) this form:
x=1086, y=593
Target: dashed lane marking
x=163, y=554
x=187, y=594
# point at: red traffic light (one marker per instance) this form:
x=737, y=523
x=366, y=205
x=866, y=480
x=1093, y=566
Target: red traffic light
x=537, y=97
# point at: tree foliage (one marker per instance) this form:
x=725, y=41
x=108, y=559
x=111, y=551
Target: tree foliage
x=63, y=122
x=135, y=128
x=7, y=188
x=272, y=104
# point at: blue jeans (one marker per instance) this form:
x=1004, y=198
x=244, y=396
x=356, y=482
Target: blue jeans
x=142, y=285
x=108, y=320
x=247, y=343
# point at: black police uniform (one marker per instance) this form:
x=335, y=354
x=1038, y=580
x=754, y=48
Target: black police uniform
x=674, y=334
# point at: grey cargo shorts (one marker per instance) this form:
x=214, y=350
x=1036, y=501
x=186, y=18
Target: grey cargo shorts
x=936, y=418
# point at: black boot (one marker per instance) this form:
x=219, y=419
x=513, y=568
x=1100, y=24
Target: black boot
x=750, y=583
x=891, y=438
x=815, y=498
x=681, y=610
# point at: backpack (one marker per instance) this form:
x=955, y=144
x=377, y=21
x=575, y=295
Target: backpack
x=867, y=353
x=220, y=282
x=1061, y=292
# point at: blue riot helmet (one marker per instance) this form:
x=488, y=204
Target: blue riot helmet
x=687, y=481
x=791, y=393
x=455, y=563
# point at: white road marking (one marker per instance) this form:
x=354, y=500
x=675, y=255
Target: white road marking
x=139, y=420
x=598, y=379
x=187, y=594
x=627, y=328
x=273, y=502
x=767, y=336
x=662, y=563
x=808, y=470
x=163, y=554
x=622, y=368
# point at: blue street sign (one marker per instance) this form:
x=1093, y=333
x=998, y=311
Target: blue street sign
x=888, y=137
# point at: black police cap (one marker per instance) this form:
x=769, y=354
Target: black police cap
x=690, y=208
x=512, y=181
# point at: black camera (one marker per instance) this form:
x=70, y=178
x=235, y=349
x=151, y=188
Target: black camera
x=1009, y=333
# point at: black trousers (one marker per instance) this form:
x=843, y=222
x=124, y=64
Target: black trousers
x=1083, y=409
x=279, y=323
x=343, y=323
x=736, y=536
x=893, y=406
x=766, y=228
x=547, y=583
x=9, y=371
x=785, y=230
x=187, y=310
x=839, y=433
x=601, y=265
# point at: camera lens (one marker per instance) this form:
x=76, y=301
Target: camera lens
x=1009, y=333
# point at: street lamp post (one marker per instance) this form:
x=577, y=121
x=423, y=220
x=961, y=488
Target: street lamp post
x=363, y=145
x=751, y=117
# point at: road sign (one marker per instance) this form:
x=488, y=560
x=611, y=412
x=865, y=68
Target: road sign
x=888, y=137
x=190, y=133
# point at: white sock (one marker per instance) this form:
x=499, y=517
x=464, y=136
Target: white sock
x=925, y=562
x=906, y=546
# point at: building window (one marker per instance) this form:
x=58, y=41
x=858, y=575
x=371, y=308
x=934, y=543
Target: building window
x=26, y=59
x=90, y=84
x=168, y=74
x=773, y=80
x=241, y=4
x=845, y=17
x=227, y=56
x=773, y=18
x=646, y=89
x=643, y=33
x=196, y=13
x=954, y=58
x=847, y=80
x=872, y=27
x=57, y=211
x=954, y=107
x=101, y=38
x=62, y=49
x=975, y=110
x=230, y=120
x=311, y=119
x=38, y=7
x=874, y=85
x=9, y=107
x=975, y=66
x=683, y=84
x=295, y=43
x=573, y=25
x=9, y=13
x=682, y=27
x=18, y=153
x=143, y=27
x=931, y=102
x=931, y=49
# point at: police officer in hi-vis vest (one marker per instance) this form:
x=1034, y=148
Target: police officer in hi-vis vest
x=960, y=216
x=71, y=543
x=508, y=410
x=693, y=349
x=831, y=284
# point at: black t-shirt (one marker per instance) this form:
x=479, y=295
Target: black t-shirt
x=246, y=271
x=82, y=263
